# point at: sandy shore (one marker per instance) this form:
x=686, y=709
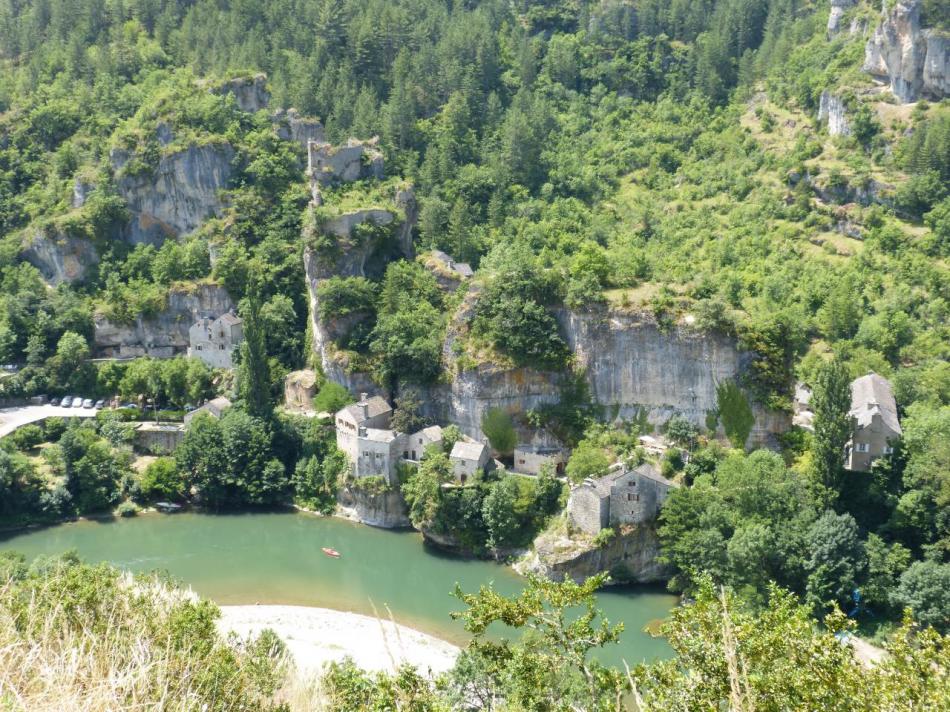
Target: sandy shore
x=315, y=636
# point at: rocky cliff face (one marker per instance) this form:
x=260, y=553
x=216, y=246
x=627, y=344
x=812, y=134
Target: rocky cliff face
x=838, y=9
x=250, y=93
x=291, y=126
x=165, y=334
x=636, y=369
x=182, y=191
x=913, y=60
x=386, y=510
x=629, y=557
x=832, y=113
x=60, y=258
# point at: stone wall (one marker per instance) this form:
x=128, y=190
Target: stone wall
x=587, y=510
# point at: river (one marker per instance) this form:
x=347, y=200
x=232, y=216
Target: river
x=276, y=558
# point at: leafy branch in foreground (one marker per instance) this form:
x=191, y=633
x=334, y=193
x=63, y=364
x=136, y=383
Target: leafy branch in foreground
x=550, y=667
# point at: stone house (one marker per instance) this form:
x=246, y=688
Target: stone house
x=529, y=459
x=379, y=451
x=469, y=458
x=214, y=408
x=417, y=443
x=363, y=435
x=874, y=423
x=622, y=497
x=214, y=341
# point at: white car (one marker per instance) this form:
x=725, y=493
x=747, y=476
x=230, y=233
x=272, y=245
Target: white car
x=87, y=403
x=77, y=402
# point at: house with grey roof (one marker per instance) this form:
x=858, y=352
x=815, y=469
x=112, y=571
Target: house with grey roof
x=214, y=341
x=363, y=435
x=468, y=459
x=417, y=443
x=215, y=408
x=530, y=458
x=875, y=426
x=623, y=497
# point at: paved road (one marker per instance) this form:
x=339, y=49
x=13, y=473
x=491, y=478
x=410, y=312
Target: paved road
x=13, y=418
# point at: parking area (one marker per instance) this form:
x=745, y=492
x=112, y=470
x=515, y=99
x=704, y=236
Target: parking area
x=13, y=418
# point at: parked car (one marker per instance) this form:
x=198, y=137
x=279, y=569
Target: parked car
x=100, y=403
x=67, y=401
x=189, y=407
x=129, y=405
x=77, y=402
x=87, y=403
x=55, y=401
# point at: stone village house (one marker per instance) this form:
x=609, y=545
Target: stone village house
x=622, y=497
x=364, y=435
x=874, y=423
x=529, y=459
x=214, y=341
x=469, y=458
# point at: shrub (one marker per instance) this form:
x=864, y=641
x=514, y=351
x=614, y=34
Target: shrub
x=127, y=509
x=604, y=537
x=27, y=437
x=735, y=413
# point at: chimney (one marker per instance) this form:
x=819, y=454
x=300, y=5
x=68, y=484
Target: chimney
x=364, y=405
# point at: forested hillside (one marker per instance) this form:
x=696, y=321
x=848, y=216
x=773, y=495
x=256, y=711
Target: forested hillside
x=753, y=169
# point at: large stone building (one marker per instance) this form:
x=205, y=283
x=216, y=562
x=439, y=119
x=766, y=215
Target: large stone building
x=214, y=341
x=874, y=423
x=623, y=497
x=363, y=435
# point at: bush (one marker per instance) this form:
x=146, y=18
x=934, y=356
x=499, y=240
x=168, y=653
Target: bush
x=162, y=481
x=27, y=437
x=127, y=509
x=331, y=398
x=604, y=537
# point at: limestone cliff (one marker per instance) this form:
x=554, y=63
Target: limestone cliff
x=58, y=257
x=166, y=333
x=631, y=556
x=174, y=198
x=250, y=93
x=914, y=61
x=833, y=114
x=386, y=510
x=838, y=9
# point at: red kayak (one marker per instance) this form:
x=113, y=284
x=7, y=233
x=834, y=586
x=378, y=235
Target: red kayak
x=331, y=552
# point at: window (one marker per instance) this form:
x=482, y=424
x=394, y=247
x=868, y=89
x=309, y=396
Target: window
x=888, y=450
x=863, y=447
x=221, y=347
x=198, y=347
x=520, y=462
x=405, y=455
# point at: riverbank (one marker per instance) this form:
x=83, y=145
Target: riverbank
x=316, y=636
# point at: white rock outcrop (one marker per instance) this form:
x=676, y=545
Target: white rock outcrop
x=838, y=9
x=914, y=61
x=832, y=113
x=60, y=258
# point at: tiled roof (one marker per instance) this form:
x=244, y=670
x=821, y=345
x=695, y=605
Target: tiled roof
x=374, y=406
x=463, y=450
x=872, y=394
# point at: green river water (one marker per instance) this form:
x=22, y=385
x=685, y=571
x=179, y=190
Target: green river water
x=276, y=558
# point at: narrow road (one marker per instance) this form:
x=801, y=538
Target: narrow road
x=13, y=418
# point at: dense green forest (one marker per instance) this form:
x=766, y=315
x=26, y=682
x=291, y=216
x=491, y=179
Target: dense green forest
x=657, y=156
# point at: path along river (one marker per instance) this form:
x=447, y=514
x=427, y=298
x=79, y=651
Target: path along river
x=276, y=559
